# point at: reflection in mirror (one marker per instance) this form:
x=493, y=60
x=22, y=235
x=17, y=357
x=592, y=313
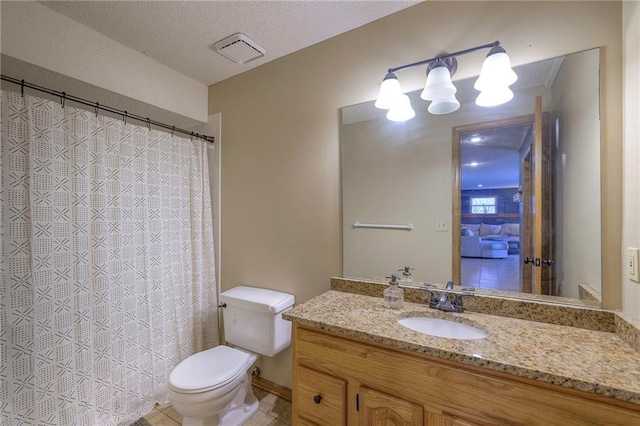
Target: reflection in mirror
x=406, y=174
x=491, y=206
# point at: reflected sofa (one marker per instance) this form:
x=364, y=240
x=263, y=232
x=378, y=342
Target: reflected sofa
x=489, y=241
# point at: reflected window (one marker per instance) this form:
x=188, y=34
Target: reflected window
x=483, y=205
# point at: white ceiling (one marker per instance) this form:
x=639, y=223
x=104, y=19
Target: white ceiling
x=179, y=34
x=496, y=156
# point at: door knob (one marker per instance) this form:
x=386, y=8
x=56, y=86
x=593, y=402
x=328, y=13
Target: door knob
x=547, y=262
x=535, y=260
x=317, y=399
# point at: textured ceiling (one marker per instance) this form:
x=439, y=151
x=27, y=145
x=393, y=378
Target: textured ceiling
x=179, y=34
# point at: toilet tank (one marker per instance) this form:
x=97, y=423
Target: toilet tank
x=253, y=319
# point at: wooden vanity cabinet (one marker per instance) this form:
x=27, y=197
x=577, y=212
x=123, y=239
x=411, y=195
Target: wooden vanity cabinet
x=340, y=381
x=321, y=398
x=380, y=409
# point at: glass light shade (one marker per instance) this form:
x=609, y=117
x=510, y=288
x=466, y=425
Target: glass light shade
x=402, y=110
x=390, y=91
x=439, y=85
x=444, y=106
x=496, y=71
x=498, y=96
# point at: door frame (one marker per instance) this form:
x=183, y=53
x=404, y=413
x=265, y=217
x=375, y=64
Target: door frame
x=456, y=170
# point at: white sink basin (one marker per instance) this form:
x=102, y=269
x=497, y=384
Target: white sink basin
x=442, y=328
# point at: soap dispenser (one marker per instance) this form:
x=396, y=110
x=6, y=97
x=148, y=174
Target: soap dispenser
x=406, y=275
x=393, y=295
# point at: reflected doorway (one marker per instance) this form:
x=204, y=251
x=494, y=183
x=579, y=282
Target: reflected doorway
x=493, y=188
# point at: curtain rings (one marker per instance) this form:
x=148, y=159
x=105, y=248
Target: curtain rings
x=148, y=124
x=63, y=99
x=173, y=130
x=22, y=87
x=125, y=116
x=97, y=108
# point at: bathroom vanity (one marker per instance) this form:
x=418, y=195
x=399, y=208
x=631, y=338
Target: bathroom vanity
x=354, y=364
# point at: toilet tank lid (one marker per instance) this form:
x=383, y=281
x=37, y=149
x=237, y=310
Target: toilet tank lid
x=257, y=299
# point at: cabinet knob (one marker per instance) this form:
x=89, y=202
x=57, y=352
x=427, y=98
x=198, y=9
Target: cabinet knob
x=317, y=399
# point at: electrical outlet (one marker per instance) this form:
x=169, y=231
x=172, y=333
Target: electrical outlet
x=441, y=226
x=632, y=264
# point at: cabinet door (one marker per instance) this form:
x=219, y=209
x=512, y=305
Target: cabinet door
x=320, y=398
x=380, y=409
x=455, y=421
x=302, y=422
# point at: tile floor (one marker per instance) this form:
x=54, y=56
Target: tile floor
x=494, y=274
x=273, y=411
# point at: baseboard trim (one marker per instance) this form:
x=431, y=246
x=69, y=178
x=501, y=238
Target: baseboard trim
x=271, y=387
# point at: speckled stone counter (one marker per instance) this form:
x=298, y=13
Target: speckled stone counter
x=592, y=361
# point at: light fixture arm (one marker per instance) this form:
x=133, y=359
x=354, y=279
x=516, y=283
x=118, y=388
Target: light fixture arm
x=444, y=57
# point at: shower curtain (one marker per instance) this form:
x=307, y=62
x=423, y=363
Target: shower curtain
x=108, y=275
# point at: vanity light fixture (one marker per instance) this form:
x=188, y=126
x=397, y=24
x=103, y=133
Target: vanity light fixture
x=493, y=84
x=402, y=111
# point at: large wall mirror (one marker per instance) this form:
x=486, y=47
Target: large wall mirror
x=504, y=198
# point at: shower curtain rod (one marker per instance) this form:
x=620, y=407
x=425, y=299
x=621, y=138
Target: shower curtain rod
x=96, y=105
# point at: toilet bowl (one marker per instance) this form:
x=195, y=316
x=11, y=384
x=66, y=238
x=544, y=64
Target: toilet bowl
x=213, y=387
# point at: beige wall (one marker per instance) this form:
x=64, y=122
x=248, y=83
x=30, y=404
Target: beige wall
x=281, y=209
x=388, y=178
x=631, y=228
x=578, y=170
x=36, y=34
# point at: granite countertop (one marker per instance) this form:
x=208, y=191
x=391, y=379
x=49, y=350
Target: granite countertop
x=592, y=361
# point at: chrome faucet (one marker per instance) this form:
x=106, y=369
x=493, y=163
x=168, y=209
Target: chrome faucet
x=441, y=300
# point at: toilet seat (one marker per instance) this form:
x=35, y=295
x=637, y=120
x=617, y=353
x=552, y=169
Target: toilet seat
x=208, y=370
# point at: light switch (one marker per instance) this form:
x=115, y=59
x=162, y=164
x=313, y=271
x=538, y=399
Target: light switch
x=441, y=226
x=632, y=264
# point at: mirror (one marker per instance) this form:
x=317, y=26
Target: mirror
x=399, y=207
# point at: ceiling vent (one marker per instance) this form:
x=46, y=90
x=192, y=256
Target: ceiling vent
x=240, y=48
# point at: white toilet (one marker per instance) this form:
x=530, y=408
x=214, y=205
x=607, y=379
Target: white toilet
x=213, y=387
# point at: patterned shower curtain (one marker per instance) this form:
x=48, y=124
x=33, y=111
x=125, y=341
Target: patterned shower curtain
x=108, y=275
